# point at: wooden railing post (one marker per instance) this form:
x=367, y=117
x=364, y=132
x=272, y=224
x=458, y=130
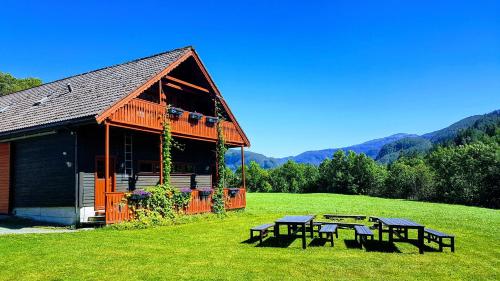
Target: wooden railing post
x=106, y=158
x=243, y=167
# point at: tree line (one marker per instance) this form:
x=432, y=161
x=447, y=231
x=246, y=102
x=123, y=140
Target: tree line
x=465, y=170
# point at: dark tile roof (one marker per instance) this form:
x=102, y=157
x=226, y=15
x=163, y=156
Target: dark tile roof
x=92, y=93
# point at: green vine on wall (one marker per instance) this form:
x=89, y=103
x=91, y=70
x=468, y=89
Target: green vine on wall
x=166, y=150
x=218, y=196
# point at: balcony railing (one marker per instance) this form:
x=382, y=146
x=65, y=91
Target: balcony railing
x=117, y=208
x=149, y=115
x=140, y=113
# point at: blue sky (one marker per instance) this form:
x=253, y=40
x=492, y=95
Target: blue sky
x=298, y=76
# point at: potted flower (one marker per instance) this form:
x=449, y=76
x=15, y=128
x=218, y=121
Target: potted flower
x=195, y=116
x=211, y=119
x=175, y=111
x=233, y=192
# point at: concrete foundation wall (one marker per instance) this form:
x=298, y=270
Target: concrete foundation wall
x=85, y=213
x=59, y=215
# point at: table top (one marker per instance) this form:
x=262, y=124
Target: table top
x=295, y=219
x=399, y=222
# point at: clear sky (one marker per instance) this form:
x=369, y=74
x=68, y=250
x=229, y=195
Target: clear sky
x=299, y=75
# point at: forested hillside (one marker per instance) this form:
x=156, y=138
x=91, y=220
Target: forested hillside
x=463, y=168
x=421, y=145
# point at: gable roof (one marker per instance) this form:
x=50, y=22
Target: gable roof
x=92, y=93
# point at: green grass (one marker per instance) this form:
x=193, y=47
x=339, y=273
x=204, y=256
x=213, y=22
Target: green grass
x=212, y=248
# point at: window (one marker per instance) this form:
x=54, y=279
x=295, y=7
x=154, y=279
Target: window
x=149, y=167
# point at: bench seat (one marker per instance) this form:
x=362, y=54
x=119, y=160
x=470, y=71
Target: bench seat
x=262, y=229
x=437, y=236
x=329, y=230
x=363, y=232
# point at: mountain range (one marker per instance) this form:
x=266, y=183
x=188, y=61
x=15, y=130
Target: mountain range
x=384, y=150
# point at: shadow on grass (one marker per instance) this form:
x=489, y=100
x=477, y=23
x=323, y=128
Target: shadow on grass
x=319, y=242
x=427, y=247
x=373, y=246
x=271, y=241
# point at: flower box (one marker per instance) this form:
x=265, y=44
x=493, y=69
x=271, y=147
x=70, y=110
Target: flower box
x=139, y=194
x=233, y=192
x=175, y=111
x=195, y=116
x=185, y=190
x=211, y=119
x=204, y=193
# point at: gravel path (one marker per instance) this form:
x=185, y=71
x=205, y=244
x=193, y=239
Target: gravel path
x=9, y=225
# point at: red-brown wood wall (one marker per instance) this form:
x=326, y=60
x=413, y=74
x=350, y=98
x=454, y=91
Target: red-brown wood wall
x=4, y=177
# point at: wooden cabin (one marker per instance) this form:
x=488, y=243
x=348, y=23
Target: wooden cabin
x=70, y=149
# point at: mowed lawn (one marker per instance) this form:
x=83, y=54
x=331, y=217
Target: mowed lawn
x=207, y=247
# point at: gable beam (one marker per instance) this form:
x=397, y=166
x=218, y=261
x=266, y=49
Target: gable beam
x=186, y=84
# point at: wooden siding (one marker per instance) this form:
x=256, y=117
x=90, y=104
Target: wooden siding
x=87, y=183
x=148, y=115
x=185, y=181
x=4, y=177
x=147, y=180
x=43, y=172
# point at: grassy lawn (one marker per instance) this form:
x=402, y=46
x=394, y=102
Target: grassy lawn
x=212, y=248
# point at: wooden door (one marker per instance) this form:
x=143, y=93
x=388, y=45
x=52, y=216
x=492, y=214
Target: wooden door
x=4, y=177
x=100, y=183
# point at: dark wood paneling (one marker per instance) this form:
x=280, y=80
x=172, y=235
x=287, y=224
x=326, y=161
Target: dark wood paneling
x=43, y=171
x=4, y=177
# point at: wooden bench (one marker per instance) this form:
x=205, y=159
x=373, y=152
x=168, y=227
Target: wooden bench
x=363, y=232
x=347, y=225
x=436, y=236
x=263, y=230
x=328, y=230
x=340, y=217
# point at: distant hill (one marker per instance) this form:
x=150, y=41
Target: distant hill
x=452, y=130
x=420, y=145
x=370, y=148
x=405, y=146
x=384, y=150
x=233, y=159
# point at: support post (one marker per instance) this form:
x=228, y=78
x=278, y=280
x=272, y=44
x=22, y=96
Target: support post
x=243, y=168
x=216, y=165
x=106, y=158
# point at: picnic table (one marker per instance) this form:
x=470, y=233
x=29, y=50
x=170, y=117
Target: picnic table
x=292, y=222
x=400, y=227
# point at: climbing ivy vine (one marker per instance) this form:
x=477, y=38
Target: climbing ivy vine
x=166, y=150
x=218, y=196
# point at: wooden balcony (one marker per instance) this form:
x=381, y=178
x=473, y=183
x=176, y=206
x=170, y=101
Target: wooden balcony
x=147, y=115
